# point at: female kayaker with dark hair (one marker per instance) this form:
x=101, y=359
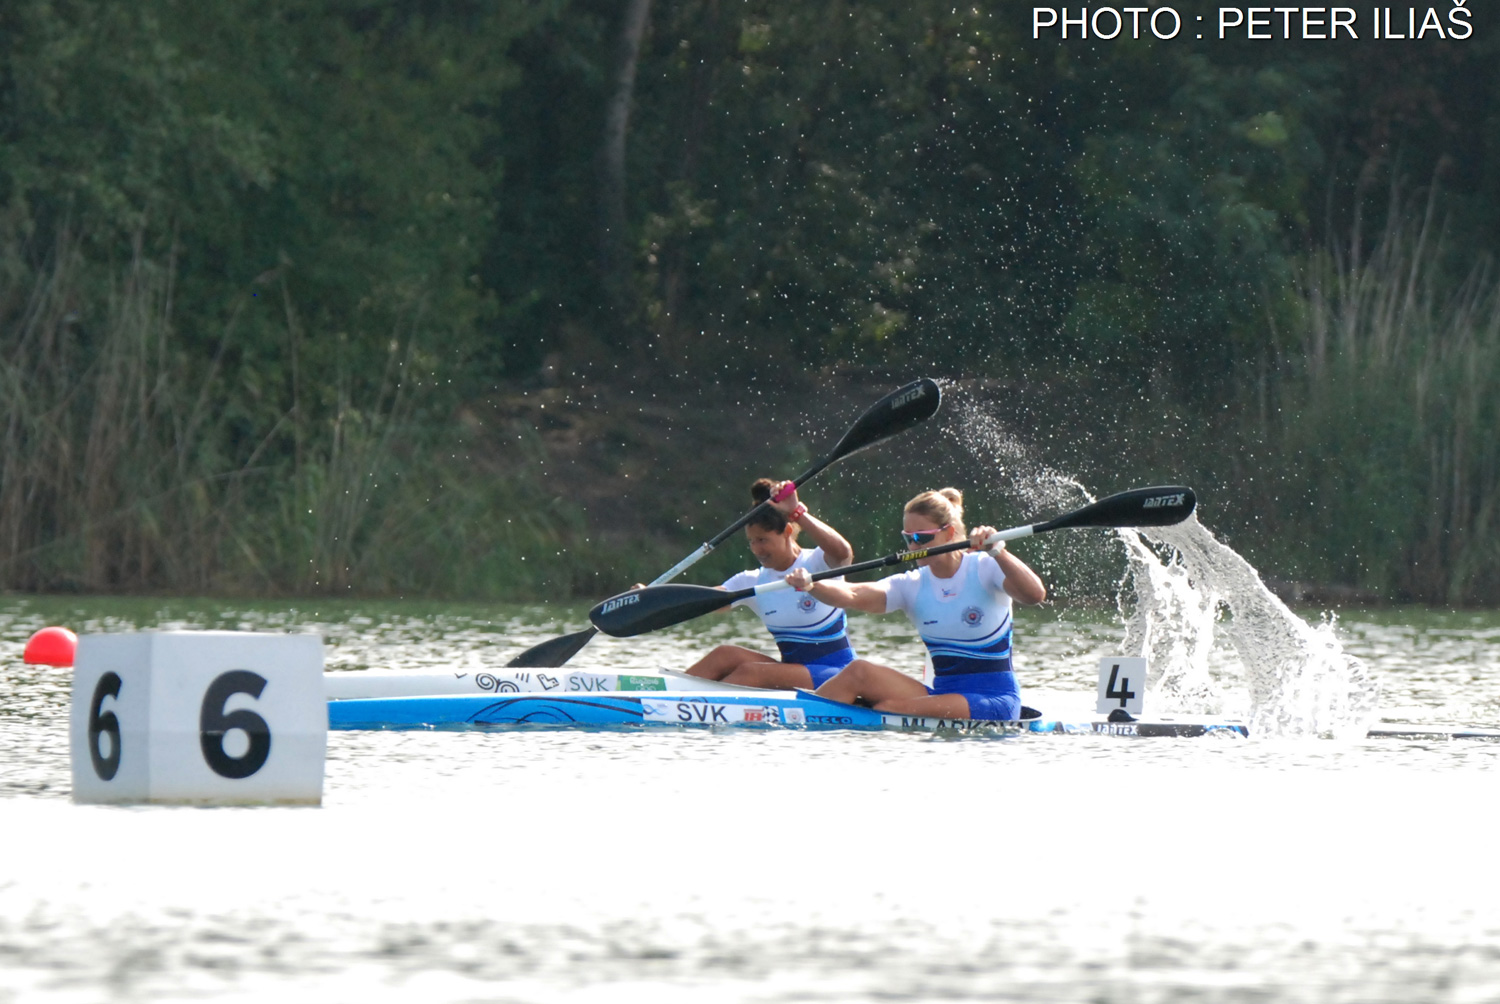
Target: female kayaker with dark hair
x=960, y=602
x=810, y=635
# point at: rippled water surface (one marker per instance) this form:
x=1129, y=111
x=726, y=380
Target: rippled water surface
x=698, y=866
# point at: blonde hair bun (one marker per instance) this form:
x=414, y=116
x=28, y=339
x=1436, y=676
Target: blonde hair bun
x=944, y=506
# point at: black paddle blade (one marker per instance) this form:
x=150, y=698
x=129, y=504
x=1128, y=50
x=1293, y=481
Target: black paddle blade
x=896, y=412
x=1160, y=506
x=653, y=607
x=554, y=652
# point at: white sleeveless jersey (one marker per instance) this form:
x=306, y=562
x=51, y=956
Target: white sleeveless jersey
x=803, y=627
x=965, y=621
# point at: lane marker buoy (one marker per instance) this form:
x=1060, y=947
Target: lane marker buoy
x=51, y=646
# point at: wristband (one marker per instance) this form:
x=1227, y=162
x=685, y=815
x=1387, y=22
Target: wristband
x=797, y=513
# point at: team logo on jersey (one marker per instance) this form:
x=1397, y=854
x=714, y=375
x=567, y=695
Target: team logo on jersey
x=806, y=603
x=972, y=616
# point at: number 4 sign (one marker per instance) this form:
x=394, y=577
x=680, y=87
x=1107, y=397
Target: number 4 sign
x=1122, y=684
x=205, y=717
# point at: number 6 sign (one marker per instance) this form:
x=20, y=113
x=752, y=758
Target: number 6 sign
x=206, y=717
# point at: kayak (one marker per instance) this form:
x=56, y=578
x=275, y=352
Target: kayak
x=729, y=707
x=379, y=700
x=353, y=685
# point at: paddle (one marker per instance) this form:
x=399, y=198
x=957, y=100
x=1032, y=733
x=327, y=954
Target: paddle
x=653, y=607
x=898, y=411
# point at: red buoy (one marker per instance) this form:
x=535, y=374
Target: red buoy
x=51, y=646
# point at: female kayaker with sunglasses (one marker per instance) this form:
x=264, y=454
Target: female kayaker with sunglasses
x=960, y=602
x=810, y=635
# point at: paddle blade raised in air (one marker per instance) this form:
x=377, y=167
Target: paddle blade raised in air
x=1164, y=505
x=898, y=411
x=654, y=607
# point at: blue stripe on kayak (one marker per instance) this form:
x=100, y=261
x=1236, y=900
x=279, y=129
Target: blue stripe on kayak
x=602, y=710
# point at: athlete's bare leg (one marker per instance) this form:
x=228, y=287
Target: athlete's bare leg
x=724, y=660
x=771, y=675
x=887, y=689
x=870, y=682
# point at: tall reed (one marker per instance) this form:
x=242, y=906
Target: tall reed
x=104, y=482
x=1389, y=419
x=119, y=470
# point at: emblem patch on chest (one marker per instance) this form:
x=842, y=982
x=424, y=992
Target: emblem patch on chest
x=972, y=616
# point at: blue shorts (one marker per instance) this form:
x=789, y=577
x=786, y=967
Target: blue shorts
x=992, y=695
x=992, y=707
x=824, y=669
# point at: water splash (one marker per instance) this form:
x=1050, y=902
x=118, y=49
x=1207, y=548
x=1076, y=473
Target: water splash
x=1173, y=624
x=1183, y=592
x=1300, y=679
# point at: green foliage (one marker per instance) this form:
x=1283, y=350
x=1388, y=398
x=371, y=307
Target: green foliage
x=98, y=132
x=116, y=473
x=879, y=182
x=1377, y=463
x=340, y=155
x=1190, y=214
x=264, y=252
x=229, y=233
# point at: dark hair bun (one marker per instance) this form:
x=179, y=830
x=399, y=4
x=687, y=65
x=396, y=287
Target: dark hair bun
x=769, y=518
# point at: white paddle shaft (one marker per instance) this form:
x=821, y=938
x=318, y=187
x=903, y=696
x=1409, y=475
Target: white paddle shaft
x=1014, y=533
x=682, y=565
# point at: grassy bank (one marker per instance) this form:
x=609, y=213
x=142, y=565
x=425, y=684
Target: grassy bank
x=1362, y=458
x=130, y=463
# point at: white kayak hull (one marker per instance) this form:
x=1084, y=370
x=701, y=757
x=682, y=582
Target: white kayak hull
x=364, y=684
x=579, y=699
